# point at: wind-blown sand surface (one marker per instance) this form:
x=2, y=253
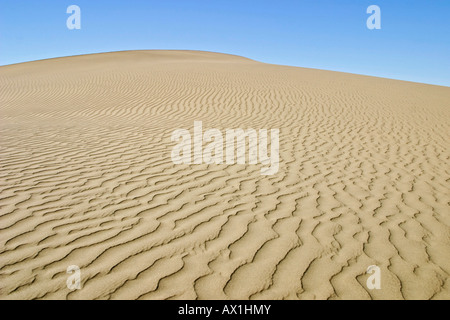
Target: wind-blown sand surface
x=86, y=179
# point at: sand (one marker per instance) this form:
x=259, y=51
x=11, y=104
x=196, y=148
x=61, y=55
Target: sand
x=86, y=179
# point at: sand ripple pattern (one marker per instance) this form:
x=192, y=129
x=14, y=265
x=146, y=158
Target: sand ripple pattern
x=86, y=179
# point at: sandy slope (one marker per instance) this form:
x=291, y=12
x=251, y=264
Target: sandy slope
x=86, y=179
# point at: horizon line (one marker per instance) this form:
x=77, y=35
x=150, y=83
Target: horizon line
x=230, y=54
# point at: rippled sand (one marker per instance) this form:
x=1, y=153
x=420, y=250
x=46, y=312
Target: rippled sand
x=86, y=179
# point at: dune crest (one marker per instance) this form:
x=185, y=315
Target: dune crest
x=86, y=179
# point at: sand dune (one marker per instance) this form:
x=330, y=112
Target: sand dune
x=86, y=179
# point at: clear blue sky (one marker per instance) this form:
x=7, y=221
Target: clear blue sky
x=413, y=44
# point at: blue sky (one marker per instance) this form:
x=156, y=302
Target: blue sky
x=413, y=44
